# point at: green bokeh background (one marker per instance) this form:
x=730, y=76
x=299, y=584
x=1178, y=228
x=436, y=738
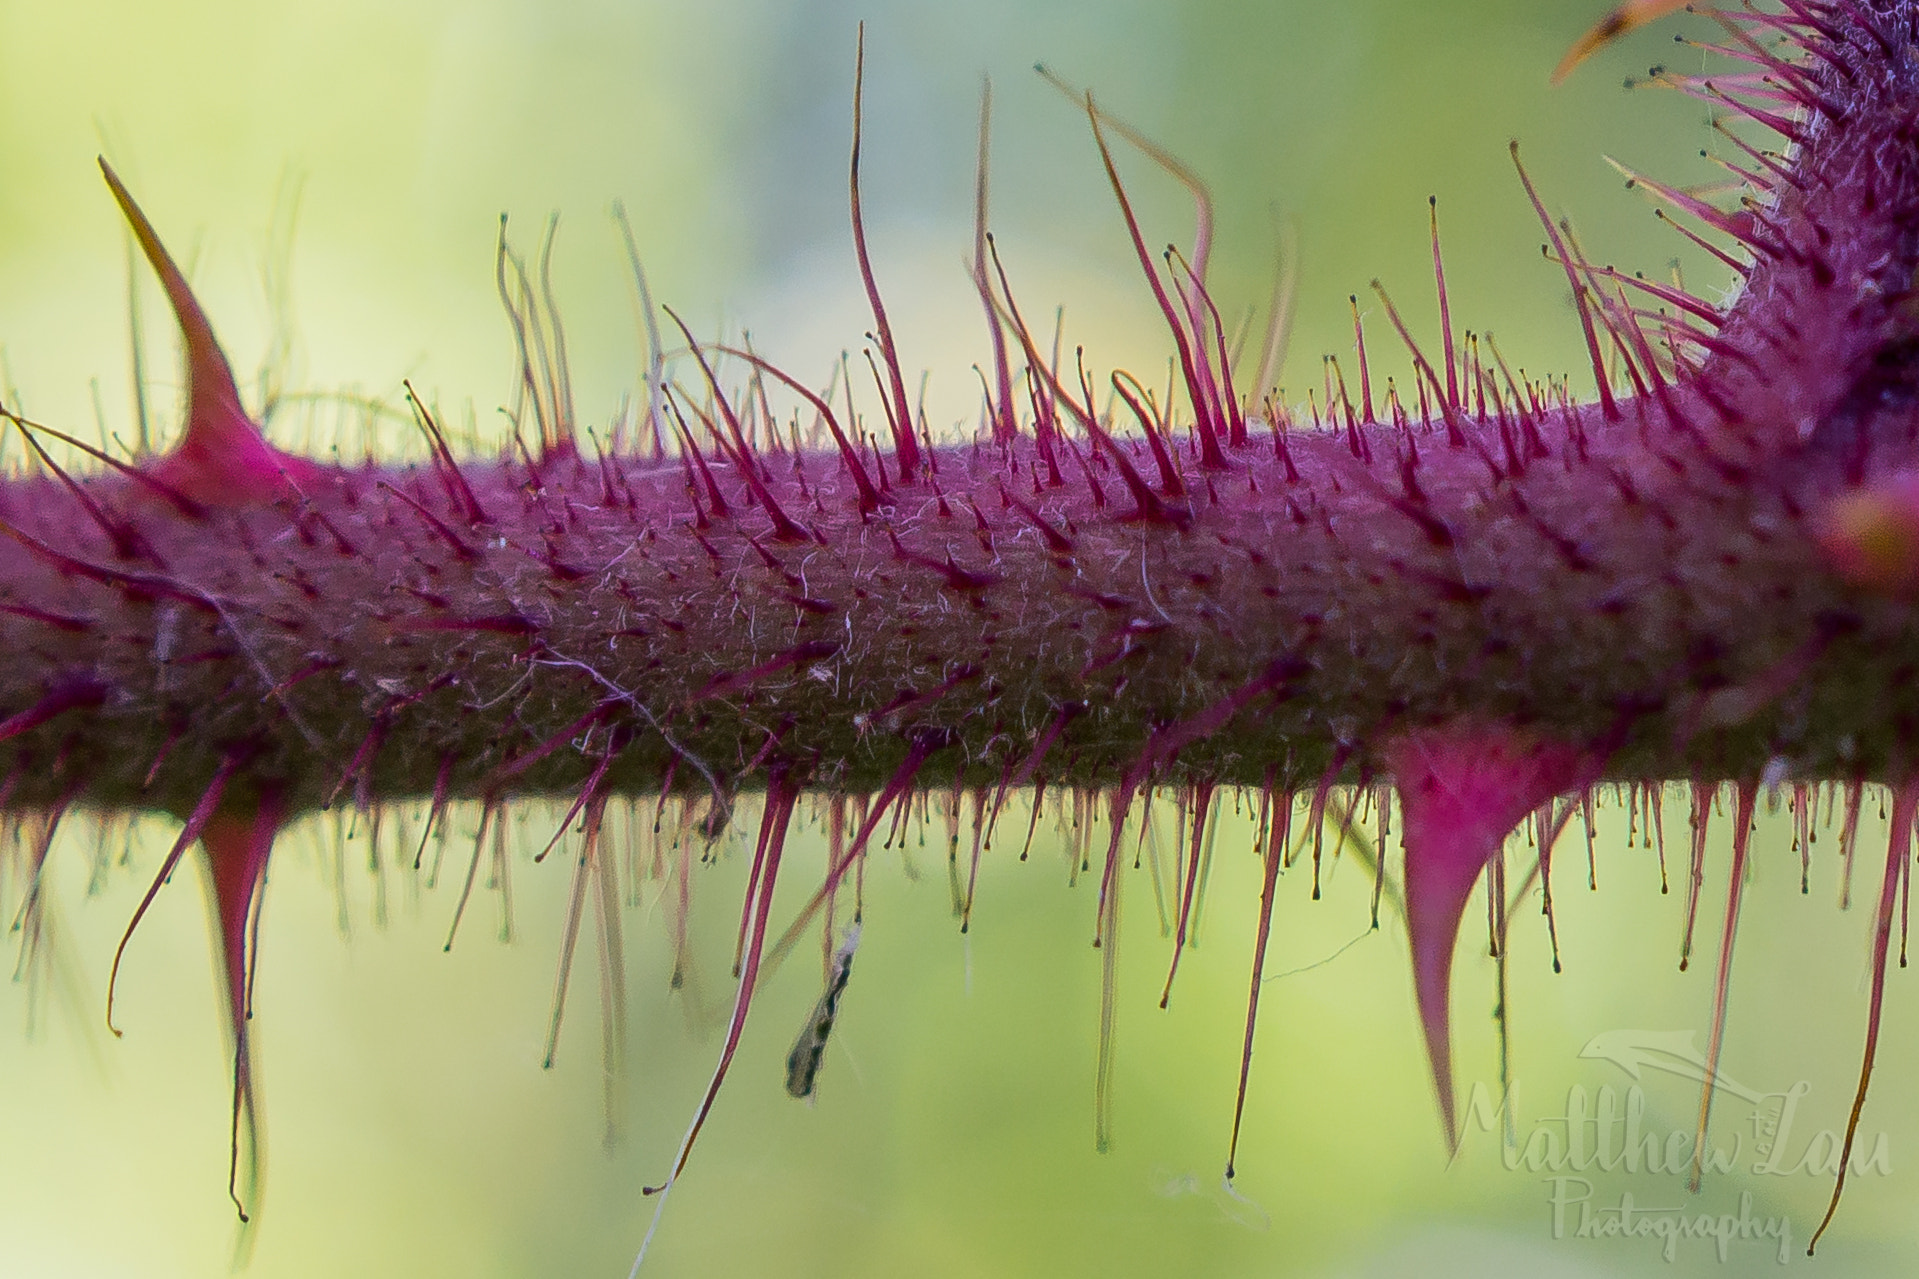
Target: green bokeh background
x=410, y=1128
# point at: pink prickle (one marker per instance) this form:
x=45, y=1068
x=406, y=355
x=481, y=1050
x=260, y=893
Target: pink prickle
x=1462, y=790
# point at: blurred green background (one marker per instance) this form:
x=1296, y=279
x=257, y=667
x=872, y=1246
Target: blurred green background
x=410, y=1129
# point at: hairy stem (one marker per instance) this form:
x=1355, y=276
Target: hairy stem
x=1702, y=579
x=1626, y=583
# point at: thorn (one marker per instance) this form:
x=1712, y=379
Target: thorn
x=1905, y=802
x=519, y=764
x=1365, y=374
x=1202, y=807
x=1607, y=405
x=781, y=797
x=238, y=838
x=1445, y=307
x=1005, y=425
x=59, y=621
x=1735, y=891
x=905, y=447
x=1275, y=822
x=222, y=460
x=725, y=685
x=1196, y=388
x=1455, y=431
x=180, y=502
x=449, y=470
x=436, y=811
x=1045, y=431
x=1719, y=221
x=784, y=529
x=196, y=823
x=1461, y=792
x=691, y=457
x=433, y=522
x=1228, y=401
x=76, y=695
x=1169, y=481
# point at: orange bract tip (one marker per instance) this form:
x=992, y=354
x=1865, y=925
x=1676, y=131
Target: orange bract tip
x=1629, y=16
